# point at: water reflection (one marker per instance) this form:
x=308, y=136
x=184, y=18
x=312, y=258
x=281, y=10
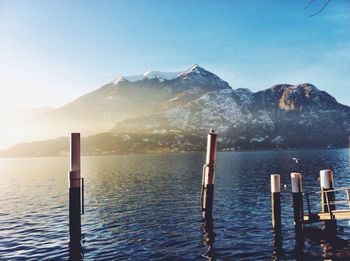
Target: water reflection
x=299, y=246
x=277, y=244
x=208, y=238
x=336, y=248
x=332, y=245
x=76, y=248
x=119, y=227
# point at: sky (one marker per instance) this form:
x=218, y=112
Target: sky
x=52, y=52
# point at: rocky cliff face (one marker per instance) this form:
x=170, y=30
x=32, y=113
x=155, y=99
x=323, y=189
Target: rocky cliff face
x=301, y=115
x=281, y=116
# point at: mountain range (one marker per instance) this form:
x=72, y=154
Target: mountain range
x=159, y=111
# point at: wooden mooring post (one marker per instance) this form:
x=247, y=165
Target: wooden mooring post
x=207, y=195
x=74, y=190
x=328, y=199
x=329, y=213
x=276, y=203
x=297, y=190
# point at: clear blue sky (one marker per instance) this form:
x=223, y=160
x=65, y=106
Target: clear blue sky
x=54, y=51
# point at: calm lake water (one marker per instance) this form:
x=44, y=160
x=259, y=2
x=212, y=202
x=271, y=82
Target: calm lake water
x=146, y=207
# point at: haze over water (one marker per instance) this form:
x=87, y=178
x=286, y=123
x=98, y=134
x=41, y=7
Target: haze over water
x=146, y=207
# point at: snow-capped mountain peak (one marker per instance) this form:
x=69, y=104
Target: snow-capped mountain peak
x=160, y=75
x=194, y=69
x=130, y=78
x=196, y=75
x=119, y=79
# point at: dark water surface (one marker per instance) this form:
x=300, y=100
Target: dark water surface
x=146, y=207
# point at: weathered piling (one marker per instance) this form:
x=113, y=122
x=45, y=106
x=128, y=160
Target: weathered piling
x=297, y=195
x=74, y=190
x=328, y=198
x=209, y=176
x=276, y=203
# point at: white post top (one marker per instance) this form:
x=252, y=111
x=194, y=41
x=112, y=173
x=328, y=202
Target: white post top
x=275, y=183
x=326, y=179
x=296, y=182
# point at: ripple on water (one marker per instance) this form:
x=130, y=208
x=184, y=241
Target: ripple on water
x=146, y=207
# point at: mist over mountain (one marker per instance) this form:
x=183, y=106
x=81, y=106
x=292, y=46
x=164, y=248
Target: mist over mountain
x=159, y=111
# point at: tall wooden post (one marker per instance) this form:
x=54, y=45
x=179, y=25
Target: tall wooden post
x=209, y=176
x=297, y=194
x=74, y=190
x=276, y=202
x=328, y=198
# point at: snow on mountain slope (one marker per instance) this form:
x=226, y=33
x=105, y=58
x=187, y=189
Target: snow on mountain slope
x=196, y=75
x=160, y=75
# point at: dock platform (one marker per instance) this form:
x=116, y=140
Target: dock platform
x=329, y=211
